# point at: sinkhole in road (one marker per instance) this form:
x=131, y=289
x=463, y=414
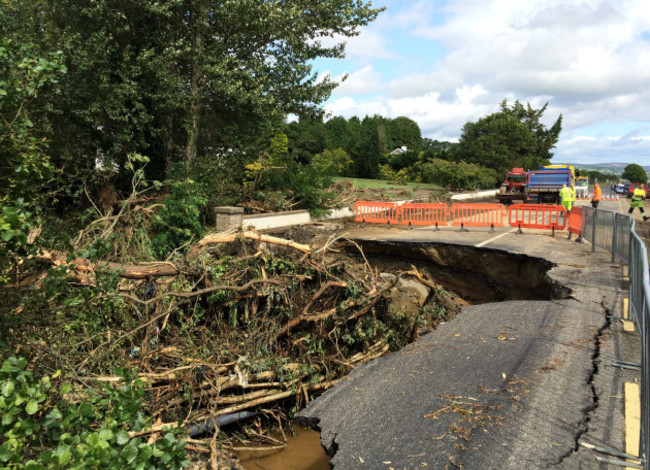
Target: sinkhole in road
x=474, y=275
x=478, y=275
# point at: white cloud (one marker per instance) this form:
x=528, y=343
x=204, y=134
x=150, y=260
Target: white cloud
x=363, y=81
x=348, y=107
x=589, y=59
x=582, y=149
x=362, y=49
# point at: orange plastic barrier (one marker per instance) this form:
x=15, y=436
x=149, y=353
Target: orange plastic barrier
x=540, y=216
x=575, y=220
x=376, y=212
x=424, y=214
x=478, y=215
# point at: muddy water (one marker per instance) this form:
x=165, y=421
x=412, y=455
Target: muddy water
x=303, y=452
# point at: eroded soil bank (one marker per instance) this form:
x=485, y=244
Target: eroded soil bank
x=477, y=275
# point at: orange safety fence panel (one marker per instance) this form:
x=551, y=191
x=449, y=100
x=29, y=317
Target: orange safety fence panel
x=478, y=215
x=424, y=214
x=542, y=216
x=376, y=212
x=575, y=220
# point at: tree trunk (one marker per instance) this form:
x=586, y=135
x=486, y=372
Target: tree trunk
x=198, y=20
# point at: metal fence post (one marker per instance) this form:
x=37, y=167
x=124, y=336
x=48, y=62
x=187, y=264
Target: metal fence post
x=614, y=241
x=593, y=230
x=631, y=265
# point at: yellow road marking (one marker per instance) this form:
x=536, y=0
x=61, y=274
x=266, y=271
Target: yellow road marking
x=628, y=325
x=632, y=418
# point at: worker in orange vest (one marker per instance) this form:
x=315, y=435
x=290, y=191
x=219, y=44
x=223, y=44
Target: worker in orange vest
x=595, y=198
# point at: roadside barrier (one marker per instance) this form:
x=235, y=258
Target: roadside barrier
x=575, y=222
x=540, y=216
x=478, y=215
x=424, y=214
x=639, y=306
x=376, y=212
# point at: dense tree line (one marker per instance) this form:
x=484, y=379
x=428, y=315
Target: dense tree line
x=487, y=148
x=367, y=141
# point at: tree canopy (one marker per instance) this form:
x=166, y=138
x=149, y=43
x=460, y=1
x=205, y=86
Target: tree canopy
x=180, y=81
x=635, y=173
x=512, y=137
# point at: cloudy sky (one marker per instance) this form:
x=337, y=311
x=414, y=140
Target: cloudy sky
x=444, y=63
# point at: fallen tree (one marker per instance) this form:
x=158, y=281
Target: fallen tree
x=245, y=321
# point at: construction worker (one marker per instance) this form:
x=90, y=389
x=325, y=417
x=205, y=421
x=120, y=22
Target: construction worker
x=637, y=201
x=573, y=194
x=566, y=197
x=595, y=198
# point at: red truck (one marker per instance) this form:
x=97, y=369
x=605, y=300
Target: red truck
x=633, y=186
x=514, y=187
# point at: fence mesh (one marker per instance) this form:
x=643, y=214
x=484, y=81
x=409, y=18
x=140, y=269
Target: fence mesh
x=608, y=230
x=640, y=309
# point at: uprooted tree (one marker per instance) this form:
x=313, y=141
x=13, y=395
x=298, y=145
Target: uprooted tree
x=237, y=321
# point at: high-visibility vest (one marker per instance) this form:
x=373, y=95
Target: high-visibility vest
x=597, y=193
x=565, y=194
x=639, y=194
x=573, y=193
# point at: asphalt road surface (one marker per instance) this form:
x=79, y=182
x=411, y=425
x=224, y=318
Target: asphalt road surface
x=511, y=385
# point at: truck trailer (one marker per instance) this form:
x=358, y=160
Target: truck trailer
x=544, y=184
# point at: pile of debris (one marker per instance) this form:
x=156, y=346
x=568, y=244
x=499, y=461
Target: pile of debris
x=248, y=325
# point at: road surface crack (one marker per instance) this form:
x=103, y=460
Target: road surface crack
x=583, y=425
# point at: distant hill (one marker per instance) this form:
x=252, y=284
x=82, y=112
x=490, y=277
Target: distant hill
x=616, y=168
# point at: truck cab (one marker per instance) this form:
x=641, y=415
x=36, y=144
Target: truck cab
x=582, y=186
x=514, y=186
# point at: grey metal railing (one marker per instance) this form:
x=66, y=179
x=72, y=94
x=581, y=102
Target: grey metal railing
x=640, y=309
x=608, y=230
x=615, y=232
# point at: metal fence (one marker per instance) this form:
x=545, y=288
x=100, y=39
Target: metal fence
x=640, y=309
x=615, y=232
x=608, y=230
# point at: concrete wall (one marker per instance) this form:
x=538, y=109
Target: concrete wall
x=474, y=195
x=227, y=218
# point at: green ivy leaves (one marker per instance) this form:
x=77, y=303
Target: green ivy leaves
x=88, y=435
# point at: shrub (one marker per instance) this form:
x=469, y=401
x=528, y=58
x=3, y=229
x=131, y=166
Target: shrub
x=41, y=430
x=458, y=176
x=400, y=177
x=179, y=220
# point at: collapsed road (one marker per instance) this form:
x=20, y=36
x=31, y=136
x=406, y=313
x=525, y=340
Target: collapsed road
x=507, y=385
